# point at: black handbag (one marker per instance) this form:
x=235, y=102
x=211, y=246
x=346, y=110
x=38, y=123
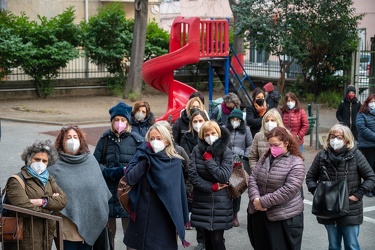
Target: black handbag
x=331, y=198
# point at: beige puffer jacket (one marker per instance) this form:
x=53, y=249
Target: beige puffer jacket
x=258, y=148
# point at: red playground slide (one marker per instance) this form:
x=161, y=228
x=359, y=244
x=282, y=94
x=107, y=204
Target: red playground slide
x=184, y=49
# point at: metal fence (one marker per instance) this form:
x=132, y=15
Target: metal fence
x=79, y=68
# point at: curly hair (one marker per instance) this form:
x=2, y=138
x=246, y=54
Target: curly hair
x=40, y=147
x=60, y=139
x=285, y=136
x=232, y=98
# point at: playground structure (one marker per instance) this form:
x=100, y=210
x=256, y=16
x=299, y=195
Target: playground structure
x=193, y=40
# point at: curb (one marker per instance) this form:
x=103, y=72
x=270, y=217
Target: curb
x=51, y=122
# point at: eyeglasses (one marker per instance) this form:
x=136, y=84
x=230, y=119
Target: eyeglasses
x=339, y=137
x=69, y=127
x=276, y=145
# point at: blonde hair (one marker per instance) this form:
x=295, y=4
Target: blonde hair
x=190, y=102
x=166, y=135
x=275, y=114
x=347, y=133
x=209, y=125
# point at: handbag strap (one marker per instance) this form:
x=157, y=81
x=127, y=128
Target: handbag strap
x=325, y=171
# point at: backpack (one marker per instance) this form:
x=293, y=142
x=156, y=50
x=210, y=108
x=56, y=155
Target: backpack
x=216, y=103
x=22, y=181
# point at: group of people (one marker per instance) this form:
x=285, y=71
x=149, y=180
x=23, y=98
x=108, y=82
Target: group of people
x=179, y=175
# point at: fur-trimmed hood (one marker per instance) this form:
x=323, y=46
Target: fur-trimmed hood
x=219, y=146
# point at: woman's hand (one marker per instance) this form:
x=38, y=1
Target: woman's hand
x=221, y=185
x=37, y=202
x=257, y=205
x=353, y=198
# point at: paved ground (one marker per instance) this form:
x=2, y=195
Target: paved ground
x=47, y=117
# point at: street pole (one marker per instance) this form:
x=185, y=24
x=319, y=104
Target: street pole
x=372, y=67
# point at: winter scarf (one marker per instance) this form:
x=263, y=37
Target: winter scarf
x=79, y=176
x=261, y=110
x=166, y=178
x=225, y=109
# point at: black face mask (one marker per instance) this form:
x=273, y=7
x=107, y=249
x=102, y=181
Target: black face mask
x=260, y=102
x=193, y=110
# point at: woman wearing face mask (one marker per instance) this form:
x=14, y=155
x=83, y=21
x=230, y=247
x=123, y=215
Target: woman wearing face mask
x=78, y=174
x=256, y=111
x=188, y=142
x=295, y=118
x=260, y=145
x=40, y=193
x=181, y=125
x=210, y=167
x=141, y=118
x=221, y=112
x=341, y=158
x=348, y=109
x=241, y=141
x=366, y=132
x=158, y=199
x=114, y=151
x=275, y=211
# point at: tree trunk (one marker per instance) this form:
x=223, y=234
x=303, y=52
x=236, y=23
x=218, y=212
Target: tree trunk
x=134, y=81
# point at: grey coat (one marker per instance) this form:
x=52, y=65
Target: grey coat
x=278, y=185
x=211, y=210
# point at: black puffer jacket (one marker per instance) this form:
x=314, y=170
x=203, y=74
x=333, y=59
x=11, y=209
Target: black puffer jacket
x=211, y=210
x=180, y=126
x=141, y=127
x=347, y=112
x=189, y=141
x=358, y=168
x=120, y=151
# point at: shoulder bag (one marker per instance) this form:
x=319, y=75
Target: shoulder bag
x=238, y=181
x=11, y=228
x=331, y=198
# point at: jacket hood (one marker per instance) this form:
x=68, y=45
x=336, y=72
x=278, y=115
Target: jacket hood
x=219, y=146
x=149, y=120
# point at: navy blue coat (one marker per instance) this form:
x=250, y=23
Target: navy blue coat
x=141, y=127
x=366, y=130
x=120, y=151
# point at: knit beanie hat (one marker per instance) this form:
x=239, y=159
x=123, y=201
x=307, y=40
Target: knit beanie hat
x=268, y=87
x=350, y=88
x=236, y=113
x=120, y=109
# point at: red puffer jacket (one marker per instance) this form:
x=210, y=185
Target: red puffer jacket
x=296, y=121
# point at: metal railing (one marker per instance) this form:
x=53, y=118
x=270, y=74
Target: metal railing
x=21, y=212
x=79, y=68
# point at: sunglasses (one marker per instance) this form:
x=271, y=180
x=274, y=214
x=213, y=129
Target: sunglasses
x=69, y=127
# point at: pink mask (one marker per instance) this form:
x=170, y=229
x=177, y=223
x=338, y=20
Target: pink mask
x=120, y=126
x=276, y=151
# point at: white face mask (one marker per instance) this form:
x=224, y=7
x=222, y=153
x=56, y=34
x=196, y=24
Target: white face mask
x=139, y=116
x=38, y=167
x=72, y=145
x=211, y=139
x=197, y=126
x=235, y=124
x=291, y=105
x=157, y=145
x=371, y=105
x=336, y=144
x=268, y=126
